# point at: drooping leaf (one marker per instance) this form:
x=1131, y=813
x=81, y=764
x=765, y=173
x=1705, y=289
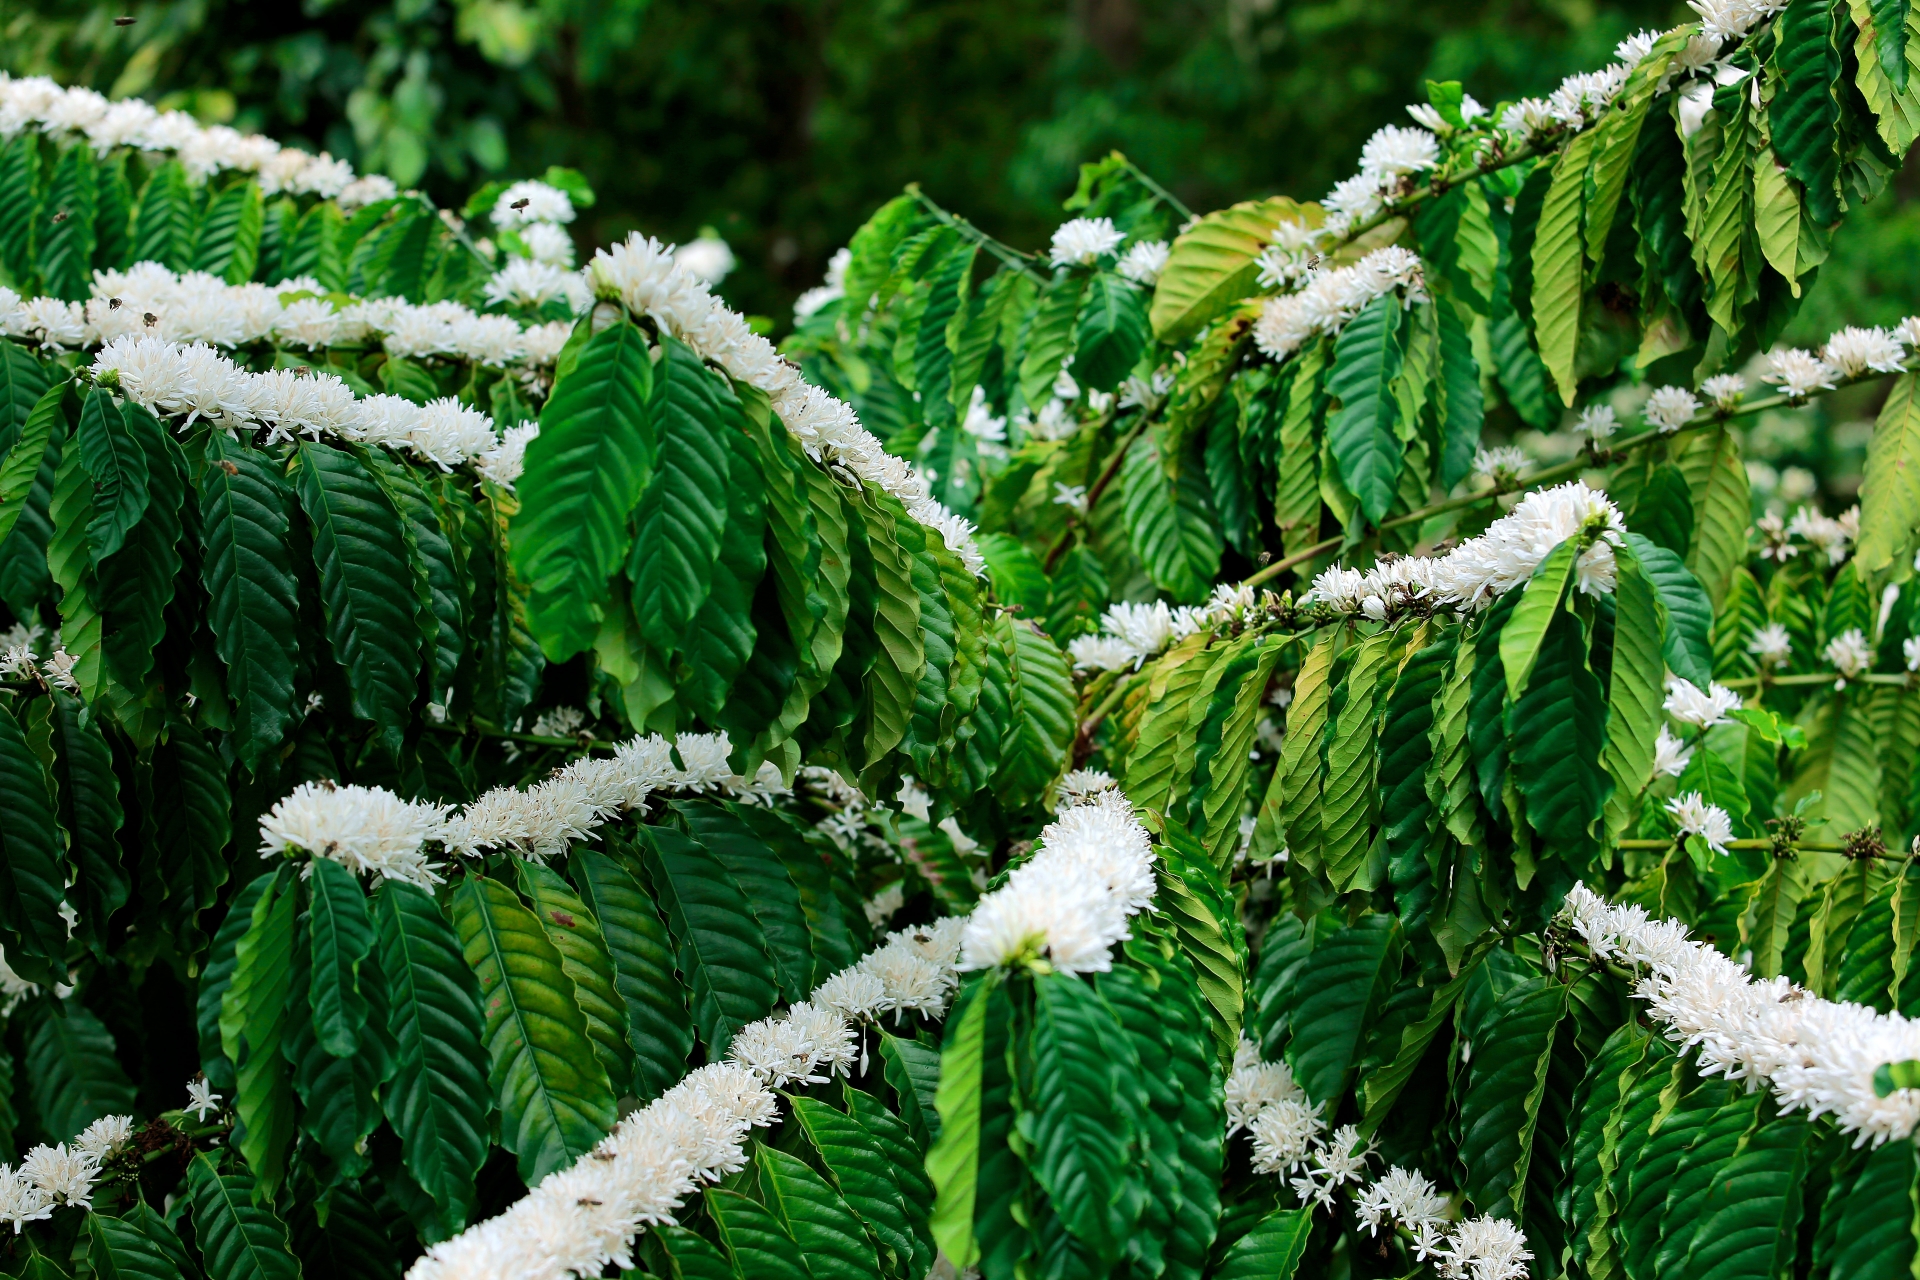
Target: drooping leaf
x=1211, y=266
x=720, y=948
x=72, y=1072
x=683, y=510
x=1558, y=262
x=1271, y=1251
x=438, y=1100
x=585, y=472
x=554, y=1099
x=360, y=552
x=35, y=873
x=1364, y=435
x=252, y=600
x=239, y=1239
x=575, y=934
x=657, y=1024
x=341, y=936
x=1353, y=969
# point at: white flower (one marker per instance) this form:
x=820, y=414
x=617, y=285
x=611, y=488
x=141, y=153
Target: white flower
x=1771, y=645
x=1724, y=390
x=21, y=1200
x=1597, y=422
x=1831, y=535
x=1080, y=786
x=1635, y=47
x=1696, y=817
x=66, y=1174
x=1402, y=1198
x=1072, y=496
x=1144, y=260
x=1394, y=150
x=1485, y=1249
x=104, y=1137
x=1799, y=373
x=1670, y=408
x=1333, y=298
x=365, y=829
x=1083, y=241
x=832, y=291
x=1849, y=654
x=1284, y=1135
x=1501, y=465
x=1854, y=351
x=1687, y=704
x=529, y=202
x=1910, y=650
x=1670, y=755
x=708, y=257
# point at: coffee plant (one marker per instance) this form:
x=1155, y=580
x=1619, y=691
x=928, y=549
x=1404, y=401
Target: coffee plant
x=1093, y=762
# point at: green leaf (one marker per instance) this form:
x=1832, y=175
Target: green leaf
x=341, y=934
x=239, y=1239
x=74, y=1075
x=1526, y=627
x=1500, y=1109
x=953, y=1162
x=252, y=600
x=33, y=878
x=554, y=1099
x=575, y=934
x=828, y=1235
x=91, y=815
x=27, y=456
x=217, y=977
x=1081, y=1132
x=682, y=1255
x=769, y=890
x=757, y=1243
x=1804, y=113
x=439, y=600
x=1557, y=730
x=683, y=510
x=1652, y=1158
x=1271, y=1251
x=1169, y=521
x=1112, y=333
x=353, y=1245
x=859, y=1167
x=1462, y=405
x=1746, y=1222
x=438, y=1099
x=1874, y=1237
x=228, y=242
x=722, y=640
x=1364, y=435
x=1042, y=700
x=1687, y=649
x=912, y=1069
x=889, y=1135
x=721, y=950
x=1050, y=336
x=1352, y=970
x=253, y=1025
x=1200, y=908
x=1349, y=799
x=1290, y=814
x=656, y=1006
x=360, y=552
x=900, y=655
x=119, y=1250
x=1211, y=266
x=67, y=236
x=1717, y=479
x=1558, y=259
x=118, y=465
x=585, y=472
x=1890, y=488
x=1634, y=690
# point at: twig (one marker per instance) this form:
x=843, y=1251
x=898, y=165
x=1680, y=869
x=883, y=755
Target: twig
x=1545, y=475
x=1012, y=257
x=1165, y=195
x=1099, y=486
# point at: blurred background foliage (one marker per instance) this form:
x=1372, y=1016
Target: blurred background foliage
x=783, y=123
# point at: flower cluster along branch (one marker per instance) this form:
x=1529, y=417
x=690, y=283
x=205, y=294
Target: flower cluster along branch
x=643, y=275
x=35, y=102
x=1289, y=1136
x=60, y=1173
x=579, y=1219
x=1816, y=1055
x=373, y=830
x=194, y=383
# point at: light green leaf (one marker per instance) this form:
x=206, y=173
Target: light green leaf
x=1211, y=266
x=1526, y=628
x=1365, y=434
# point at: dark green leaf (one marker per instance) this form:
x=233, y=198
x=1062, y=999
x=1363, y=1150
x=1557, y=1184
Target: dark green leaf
x=238, y=1238
x=825, y=1231
x=656, y=1006
x=683, y=510
x=252, y=600
x=341, y=936
x=721, y=949
x=1364, y=433
x=74, y=1076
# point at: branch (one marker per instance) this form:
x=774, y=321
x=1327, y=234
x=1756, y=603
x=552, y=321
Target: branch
x=1099, y=486
x=1545, y=475
x=1012, y=257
